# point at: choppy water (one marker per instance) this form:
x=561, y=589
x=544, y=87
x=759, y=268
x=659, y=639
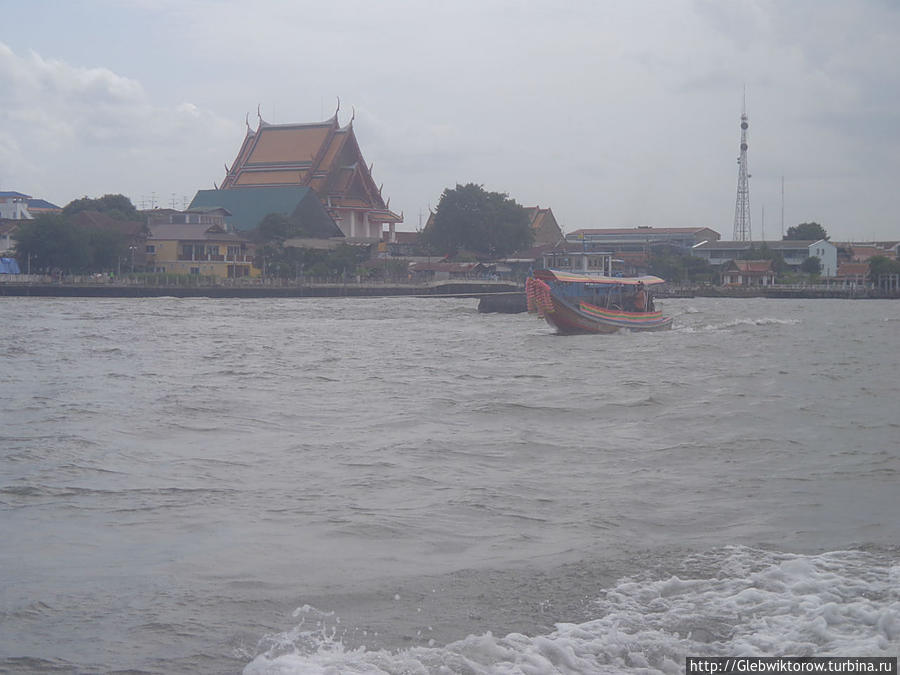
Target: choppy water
x=407, y=486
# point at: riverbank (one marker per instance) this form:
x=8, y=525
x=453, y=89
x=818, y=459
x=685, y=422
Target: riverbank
x=452, y=288
x=498, y=296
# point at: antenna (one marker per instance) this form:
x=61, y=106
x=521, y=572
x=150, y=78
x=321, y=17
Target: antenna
x=782, y=207
x=742, y=228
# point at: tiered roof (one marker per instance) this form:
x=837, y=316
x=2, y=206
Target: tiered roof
x=323, y=156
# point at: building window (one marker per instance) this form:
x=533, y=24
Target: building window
x=195, y=270
x=150, y=248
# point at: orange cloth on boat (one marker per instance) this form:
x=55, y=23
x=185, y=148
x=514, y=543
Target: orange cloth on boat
x=640, y=299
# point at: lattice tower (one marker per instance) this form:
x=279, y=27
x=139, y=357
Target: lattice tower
x=742, y=230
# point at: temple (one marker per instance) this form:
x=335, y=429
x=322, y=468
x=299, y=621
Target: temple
x=322, y=156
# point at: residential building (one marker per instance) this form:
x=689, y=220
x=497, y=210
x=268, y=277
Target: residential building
x=853, y=273
x=19, y=206
x=642, y=239
x=324, y=157
x=794, y=252
x=748, y=273
x=443, y=271
x=198, y=243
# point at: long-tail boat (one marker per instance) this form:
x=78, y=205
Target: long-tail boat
x=575, y=302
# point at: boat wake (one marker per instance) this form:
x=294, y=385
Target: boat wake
x=729, y=601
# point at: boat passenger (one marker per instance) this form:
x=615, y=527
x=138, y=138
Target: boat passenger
x=640, y=298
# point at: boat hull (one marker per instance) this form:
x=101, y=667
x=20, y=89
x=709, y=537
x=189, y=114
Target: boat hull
x=570, y=319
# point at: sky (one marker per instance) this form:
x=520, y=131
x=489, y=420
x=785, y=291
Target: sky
x=612, y=113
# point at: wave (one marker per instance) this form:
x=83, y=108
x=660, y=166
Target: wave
x=729, y=601
x=762, y=321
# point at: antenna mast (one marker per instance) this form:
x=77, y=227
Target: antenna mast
x=742, y=231
x=782, y=207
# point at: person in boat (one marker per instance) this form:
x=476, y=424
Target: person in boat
x=640, y=298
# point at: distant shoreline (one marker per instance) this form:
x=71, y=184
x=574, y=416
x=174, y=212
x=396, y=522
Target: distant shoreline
x=334, y=290
x=441, y=289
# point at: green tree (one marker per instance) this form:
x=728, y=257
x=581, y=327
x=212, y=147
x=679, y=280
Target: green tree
x=117, y=206
x=879, y=264
x=812, y=265
x=806, y=232
x=107, y=249
x=275, y=227
x=48, y=243
x=486, y=223
x=678, y=267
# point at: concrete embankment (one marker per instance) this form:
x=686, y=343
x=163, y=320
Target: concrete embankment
x=434, y=289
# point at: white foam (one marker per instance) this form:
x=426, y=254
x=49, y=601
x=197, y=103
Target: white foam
x=761, y=321
x=737, y=601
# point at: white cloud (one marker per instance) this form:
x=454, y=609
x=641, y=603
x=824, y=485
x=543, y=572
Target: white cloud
x=70, y=131
x=610, y=113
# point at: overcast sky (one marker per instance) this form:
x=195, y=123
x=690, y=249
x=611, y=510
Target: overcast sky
x=615, y=114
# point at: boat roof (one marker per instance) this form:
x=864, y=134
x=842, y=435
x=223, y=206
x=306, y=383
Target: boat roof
x=575, y=277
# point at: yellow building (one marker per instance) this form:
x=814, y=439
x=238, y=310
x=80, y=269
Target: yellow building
x=196, y=242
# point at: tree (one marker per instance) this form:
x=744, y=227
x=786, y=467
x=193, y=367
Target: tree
x=812, y=265
x=879, y=264
x=117, y=206
x=469, y=218
x=49, y=243
x=275, y=227
x=806, y=232
x=678, y=267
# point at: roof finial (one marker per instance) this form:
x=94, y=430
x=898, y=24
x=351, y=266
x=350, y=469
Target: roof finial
x=247, y=121
x=370, y=167
x=387, y=204
x=338, y=109
x=353, y=116
x=215, y=186
x=379, y=189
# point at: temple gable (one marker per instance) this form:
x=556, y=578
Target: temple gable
x=323, y=156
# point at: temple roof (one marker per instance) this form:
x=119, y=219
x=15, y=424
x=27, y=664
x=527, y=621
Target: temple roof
x=323, y=156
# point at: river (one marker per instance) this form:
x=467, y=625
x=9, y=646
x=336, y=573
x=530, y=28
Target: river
x=404, y=485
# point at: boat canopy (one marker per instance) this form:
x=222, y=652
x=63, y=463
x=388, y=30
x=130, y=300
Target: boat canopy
x=575, y=278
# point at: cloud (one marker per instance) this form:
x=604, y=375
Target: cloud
x=98, y=130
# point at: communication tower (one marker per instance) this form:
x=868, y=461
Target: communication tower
x=742, y=230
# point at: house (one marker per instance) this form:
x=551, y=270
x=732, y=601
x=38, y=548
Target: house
x=403, y=245
x=245, y=208
x=748, y=273
x=853, y=273
x=324, y=157
x=862, y=252
x=443, y=271
x=14, y=206
x=19, y=206
x=794, y=252
x=543, y=224
x=642, y=239
x=201, y=248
